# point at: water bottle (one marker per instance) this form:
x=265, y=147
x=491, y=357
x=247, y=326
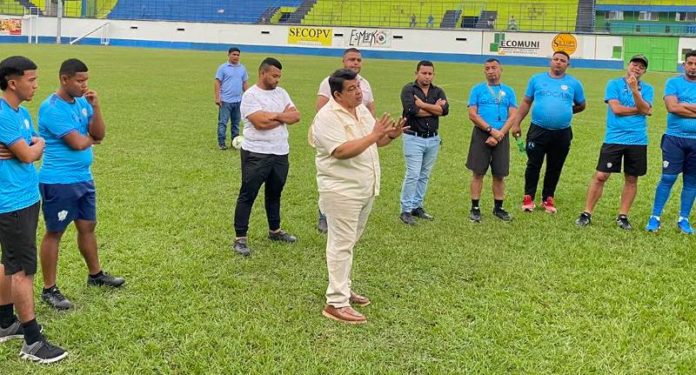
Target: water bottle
x=521, y=146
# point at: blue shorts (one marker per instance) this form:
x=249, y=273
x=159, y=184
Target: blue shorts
x=64, y=203
x=678, y=155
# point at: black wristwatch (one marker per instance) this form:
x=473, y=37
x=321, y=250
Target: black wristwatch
x=488, y=129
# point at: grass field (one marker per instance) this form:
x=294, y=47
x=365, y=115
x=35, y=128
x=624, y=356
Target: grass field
x=536, y=295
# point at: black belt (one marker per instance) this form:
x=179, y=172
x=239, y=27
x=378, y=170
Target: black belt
x=419, y=134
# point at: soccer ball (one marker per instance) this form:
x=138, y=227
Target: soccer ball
x=237, y=142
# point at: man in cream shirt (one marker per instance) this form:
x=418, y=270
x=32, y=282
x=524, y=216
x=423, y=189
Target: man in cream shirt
x=346, y=137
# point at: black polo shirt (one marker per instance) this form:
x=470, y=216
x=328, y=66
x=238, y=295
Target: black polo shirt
x=422, y=125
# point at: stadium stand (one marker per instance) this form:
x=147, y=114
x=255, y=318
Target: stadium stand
x=545, y=15
x=242, y=11
x=646, y=17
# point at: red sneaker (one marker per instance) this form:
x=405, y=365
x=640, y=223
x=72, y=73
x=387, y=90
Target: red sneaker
x=549, y=205
x=528, y=204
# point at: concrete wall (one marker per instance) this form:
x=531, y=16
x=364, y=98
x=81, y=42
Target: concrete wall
x=592, y=51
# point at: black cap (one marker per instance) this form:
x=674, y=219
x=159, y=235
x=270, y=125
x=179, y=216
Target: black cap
x=640, y=58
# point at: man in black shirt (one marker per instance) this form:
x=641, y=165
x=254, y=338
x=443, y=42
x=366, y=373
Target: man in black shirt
x=423, y=104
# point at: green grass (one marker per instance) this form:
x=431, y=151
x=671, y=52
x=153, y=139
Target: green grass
x=537, y=295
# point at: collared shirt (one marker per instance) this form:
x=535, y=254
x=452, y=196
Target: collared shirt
x=685, y=92
x=19, y=183
x=626, y=130
x=357, y=177
x=61, y=163
x=493, y=103
x=554, y=98
x=231, y=77
x=367, y=98
x=428, y=124
x=272, y=141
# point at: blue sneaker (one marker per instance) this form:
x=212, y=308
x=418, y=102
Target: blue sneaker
x=684, y=226
x=653, y=224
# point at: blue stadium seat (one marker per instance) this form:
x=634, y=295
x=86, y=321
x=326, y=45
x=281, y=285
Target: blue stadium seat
x=233, y=11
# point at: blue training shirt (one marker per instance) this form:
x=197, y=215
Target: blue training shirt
x=61, y=163
x=554, y=99
x=231, y=78
x=19, y=184
x=493, y=102
x=685, y=91
x=626, y=130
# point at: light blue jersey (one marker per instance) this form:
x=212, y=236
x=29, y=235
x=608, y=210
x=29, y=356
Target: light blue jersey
x=493, y=102
x=61, y=163
x=685, y=91
x=554, y=99
x=231, y=79
x=626, y=130
x=19, y=184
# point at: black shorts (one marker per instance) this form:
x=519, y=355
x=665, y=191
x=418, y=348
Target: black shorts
x=18, y=240
x=635, y=159
x=481, y=155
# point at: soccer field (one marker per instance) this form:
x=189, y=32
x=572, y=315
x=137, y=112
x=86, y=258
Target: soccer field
x=537, y=295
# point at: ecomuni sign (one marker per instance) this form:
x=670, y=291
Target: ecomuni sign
x=318, y=36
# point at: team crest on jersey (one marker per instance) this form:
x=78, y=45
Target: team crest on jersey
x=665, y=164
x=609, y=165
x=62, y=215
x=564, y=87
x=84, y=112
x=502, y=93
x=530, y=145
x=27, y=125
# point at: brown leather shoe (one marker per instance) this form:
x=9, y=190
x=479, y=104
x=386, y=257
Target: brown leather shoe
x=359, y=300
x=344, y=315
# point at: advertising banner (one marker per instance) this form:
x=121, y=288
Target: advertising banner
x=528, y=44
x=10, y=26
x=317, y=36
x=369, y=38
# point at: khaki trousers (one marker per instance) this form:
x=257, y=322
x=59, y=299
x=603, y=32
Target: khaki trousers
x=346, y=219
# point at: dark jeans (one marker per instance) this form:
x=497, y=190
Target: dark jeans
x=258, y=169
x=552, y=144
x=227, y=112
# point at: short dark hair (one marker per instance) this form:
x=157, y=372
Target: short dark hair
x=492, y=59
x=233, y=49
x=564, y=53
x=349, y=50
x=14, y=66
x=70, y=67
x=338, y=77
x=691, y=53
x=269, y=62
x=424, y=63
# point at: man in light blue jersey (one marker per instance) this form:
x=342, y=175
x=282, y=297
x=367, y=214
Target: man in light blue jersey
x=629, y=100
x=492, y=109
x=19, y=211
x=71, y=122
x=678, y=146
x=230, y=83
x=556, y=97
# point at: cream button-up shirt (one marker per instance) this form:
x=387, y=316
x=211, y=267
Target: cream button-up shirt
x=356, y=177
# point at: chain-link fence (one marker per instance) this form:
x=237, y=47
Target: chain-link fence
x=602, y=16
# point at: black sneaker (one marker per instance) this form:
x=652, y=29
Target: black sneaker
x=421, y=214
x=104, y=279
x=281, y=236
x=501, y=214
x=322, y=225
x=584, y=219
x=14, y=331
x=42, y=352
x=622, y=222
x=240, y=246
x=475, y=215
x=222, y=147
x=56, y=299
x=407, y=218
